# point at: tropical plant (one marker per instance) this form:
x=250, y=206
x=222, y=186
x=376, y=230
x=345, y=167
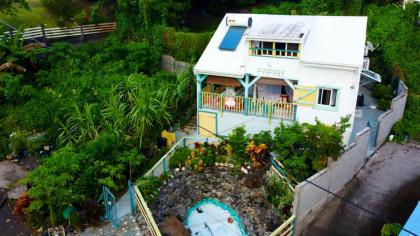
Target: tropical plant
x=238, y=140
x=279, y=193
x=53, y=184
x=81, y=126
x=305, y=148
x=149, y=187
x=257, y=154
x=179, y=157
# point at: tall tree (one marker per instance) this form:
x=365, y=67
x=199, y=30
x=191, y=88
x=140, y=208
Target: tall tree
x=9, y=6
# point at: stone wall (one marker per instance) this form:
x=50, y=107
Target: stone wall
x=169, y=64
x=309, y=199
x=394, y=114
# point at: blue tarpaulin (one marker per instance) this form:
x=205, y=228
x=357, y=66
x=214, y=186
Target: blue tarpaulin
x=413, y=223
x=232, y=38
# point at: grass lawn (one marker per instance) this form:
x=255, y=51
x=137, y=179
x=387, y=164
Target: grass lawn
x=36, y=15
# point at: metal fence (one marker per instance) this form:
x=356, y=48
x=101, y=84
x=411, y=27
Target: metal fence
x=44, y=34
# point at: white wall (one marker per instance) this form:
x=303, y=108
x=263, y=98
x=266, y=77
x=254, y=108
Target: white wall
x=347, y=81
x=309, y=200
x=395, y=113
x=253, y=124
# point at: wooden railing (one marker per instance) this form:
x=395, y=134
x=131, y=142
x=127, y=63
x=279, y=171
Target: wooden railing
x=219, y=101
x=286, y=229
x=258, y=107
x=282, y=110
x=146, y=213
x=63, y=32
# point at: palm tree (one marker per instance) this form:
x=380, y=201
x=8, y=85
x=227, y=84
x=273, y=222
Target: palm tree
x=138, y=104
x=80, y=127
x=114, y=114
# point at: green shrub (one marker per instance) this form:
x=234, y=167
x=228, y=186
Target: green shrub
x=263, y=137
x=238, y=140
x=384, y=95
x=304, y=148
x=391, y=230
x=149, y=187
x=62, y=8
x=179, y=157
x=183, y=46
x=278, y=192
x=285, y=8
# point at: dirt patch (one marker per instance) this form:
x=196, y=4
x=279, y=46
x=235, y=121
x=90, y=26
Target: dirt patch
x=10, y=225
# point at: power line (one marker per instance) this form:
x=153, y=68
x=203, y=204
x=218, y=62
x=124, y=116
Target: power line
x=382, y=218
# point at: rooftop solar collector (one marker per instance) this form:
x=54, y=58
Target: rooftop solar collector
x=232, y=38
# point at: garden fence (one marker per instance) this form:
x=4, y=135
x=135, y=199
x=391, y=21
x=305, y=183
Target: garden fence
x=43, y=34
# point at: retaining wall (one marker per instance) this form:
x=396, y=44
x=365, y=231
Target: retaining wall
x=394, y=114
x=309, y=200
x=169, y=64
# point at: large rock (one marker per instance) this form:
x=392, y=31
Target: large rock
x=171, y=226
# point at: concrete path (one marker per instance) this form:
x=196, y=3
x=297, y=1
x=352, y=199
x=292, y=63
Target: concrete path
x=389, y=185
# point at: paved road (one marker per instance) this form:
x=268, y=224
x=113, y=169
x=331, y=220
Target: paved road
x=389, y=185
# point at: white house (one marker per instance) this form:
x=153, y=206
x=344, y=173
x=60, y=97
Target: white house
x=260, y=70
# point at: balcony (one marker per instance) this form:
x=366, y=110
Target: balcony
x=251, y=106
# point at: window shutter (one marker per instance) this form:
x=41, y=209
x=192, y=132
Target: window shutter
x=305, y=95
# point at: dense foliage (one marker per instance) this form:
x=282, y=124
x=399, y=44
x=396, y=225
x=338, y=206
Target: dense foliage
x=304, y=148
x=103, y=105
x=9, y=6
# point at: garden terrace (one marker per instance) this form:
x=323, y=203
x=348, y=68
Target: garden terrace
x=186, y=188
x=188, y=175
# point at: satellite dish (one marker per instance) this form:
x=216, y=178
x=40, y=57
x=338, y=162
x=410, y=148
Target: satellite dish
x=370, y=46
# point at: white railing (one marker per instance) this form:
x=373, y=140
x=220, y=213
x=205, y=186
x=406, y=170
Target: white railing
x=63, y=32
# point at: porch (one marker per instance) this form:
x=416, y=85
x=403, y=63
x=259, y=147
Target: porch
x=265, y=97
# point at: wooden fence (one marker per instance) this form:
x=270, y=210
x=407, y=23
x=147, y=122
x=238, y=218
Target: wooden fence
x=258, y=107
x=44, y=34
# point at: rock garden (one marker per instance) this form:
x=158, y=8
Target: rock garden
x=240, y=179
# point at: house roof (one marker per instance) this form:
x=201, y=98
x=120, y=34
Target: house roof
x=329, y=40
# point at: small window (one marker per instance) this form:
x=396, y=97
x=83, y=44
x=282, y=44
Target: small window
x=292, y=49
x=280, y=49
x=327, y=97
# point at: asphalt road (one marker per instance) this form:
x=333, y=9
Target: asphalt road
x=388, y=185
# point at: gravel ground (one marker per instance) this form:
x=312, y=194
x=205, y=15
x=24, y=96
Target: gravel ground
x=389, y=185
x=187, y=188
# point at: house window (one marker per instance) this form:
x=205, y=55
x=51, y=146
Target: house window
x=274, y=49
x=327, y=97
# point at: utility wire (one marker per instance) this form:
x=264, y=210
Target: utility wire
x=382, y=218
